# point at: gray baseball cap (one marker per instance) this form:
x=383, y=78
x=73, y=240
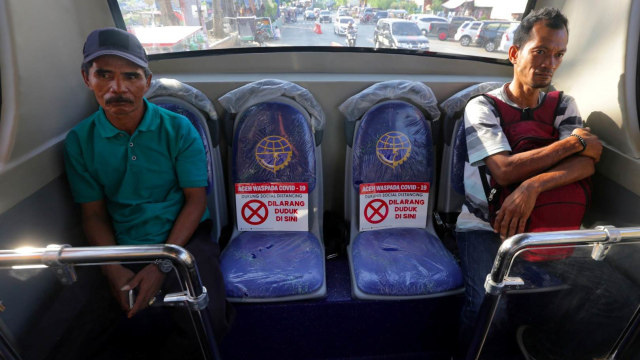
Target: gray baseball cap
x=114, y=41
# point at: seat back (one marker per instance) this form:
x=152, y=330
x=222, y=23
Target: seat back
x=454, y=154
x=392, y=144
x=275, y=139
x=195, y=106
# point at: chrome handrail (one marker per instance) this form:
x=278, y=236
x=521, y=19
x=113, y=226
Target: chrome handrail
x=180, y=258
x=497, y=282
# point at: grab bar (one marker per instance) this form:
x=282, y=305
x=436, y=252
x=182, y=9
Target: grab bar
x=602, y=237
x=64, y=256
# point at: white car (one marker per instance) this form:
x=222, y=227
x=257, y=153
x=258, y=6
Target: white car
x=424, y=21
x=341, y=24
x=466, y=32
x=507, y=38
x=309, y=15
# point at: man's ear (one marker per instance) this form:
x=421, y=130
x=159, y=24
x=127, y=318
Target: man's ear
x=513, y=54
x=149, y=80
x=85, y=77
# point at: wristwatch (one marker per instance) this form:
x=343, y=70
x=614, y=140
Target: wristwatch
x=163, y=265
x=584, y=144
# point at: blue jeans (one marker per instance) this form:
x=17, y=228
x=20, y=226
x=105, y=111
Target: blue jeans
x=477, y=250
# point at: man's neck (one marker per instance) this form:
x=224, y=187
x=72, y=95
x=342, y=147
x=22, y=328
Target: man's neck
x=523, y=96
x=128, y=122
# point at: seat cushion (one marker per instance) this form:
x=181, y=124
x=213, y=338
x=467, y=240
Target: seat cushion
x=274, y=143
x=272, y=264
x=403, y=262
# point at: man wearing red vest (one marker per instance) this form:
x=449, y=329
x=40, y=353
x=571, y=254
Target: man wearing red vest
x=527, y=143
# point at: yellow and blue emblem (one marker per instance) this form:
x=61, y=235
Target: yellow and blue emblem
x=273, y=153
x=393, y=148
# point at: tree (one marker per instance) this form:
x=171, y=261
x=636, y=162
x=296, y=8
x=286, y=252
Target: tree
x=436, y=5
x=167, y=17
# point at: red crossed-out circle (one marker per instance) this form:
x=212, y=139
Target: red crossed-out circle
x=376, y=207
x=251, y=214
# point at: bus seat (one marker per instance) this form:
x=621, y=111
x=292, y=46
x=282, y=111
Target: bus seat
x=392, y=145
x=275, y=127
x=454, y=154
x=186, y=100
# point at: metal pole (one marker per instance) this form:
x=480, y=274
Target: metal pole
x=497, y=284
x=183, y=262
x=485, y=317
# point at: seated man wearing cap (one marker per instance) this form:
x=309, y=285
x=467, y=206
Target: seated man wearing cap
x=139, y=173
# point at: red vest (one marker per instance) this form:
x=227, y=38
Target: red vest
x=557, y=209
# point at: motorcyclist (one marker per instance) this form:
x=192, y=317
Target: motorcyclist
x=351, y=34
x=351, y=30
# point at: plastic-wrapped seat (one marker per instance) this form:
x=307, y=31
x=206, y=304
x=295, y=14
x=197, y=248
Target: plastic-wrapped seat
x=276, y=251
x=454, y=154
x=186, y=100
x=390, y=173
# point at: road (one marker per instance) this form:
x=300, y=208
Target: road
x=301, y=34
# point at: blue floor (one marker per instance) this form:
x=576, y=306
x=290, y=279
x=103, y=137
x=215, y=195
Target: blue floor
x=339, y=327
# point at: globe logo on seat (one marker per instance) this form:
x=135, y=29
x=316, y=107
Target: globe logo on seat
x=273, y=153
x=393, y=148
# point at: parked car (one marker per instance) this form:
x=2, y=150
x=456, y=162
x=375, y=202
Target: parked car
x=309, y=15
x=399, y=34
x=325, y=16
x=424, y=22
x=467, y=32
x=448, y=30
x=398, y=13
x=380, y=15
x=341, y=24
x=490, y=33
x=507, y=38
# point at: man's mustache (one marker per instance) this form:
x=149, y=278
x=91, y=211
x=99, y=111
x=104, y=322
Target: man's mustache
x=119, y=99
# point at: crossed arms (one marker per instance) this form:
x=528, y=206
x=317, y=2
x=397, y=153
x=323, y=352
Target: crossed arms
x=539, y=170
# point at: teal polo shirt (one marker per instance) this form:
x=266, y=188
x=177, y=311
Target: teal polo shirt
x=140, y=176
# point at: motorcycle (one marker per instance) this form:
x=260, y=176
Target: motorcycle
x=261, y=36
x=366, y=18
x=351, y=38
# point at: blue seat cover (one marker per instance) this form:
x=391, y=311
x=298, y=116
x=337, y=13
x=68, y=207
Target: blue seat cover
x=403, y=262
x=193, y=118
x=273, y=264
x=397, y=121
x=398, y=261
x=285, y=135
x=460, y=156
x=273, y=142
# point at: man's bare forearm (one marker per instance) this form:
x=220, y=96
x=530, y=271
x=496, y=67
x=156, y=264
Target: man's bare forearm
x=566, y=172
x=510, y=169
x=189, y=217
x=97, y=224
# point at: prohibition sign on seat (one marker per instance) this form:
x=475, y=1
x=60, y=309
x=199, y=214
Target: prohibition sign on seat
x=251, y=212
x=376, y=211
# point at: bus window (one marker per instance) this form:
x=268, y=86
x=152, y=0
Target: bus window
x=165, y=26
